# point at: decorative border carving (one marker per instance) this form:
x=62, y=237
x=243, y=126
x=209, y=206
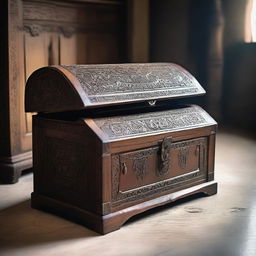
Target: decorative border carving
x=142, y=124
x=135, y=194
x=164, y=164
x=53, y=16
x=33, y=29
x=139, y=158
x=115, y=174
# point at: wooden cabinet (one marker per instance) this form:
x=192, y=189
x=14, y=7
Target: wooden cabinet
x=38, y=33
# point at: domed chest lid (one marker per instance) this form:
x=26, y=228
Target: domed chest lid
x=64, y=88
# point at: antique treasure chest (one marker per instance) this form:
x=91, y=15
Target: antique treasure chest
x=112, y=141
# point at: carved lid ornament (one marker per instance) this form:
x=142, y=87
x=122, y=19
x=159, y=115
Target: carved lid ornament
x=108, y=84
x=125, y=82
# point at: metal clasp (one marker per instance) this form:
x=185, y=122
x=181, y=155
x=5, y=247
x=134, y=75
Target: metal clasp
x=152, y=102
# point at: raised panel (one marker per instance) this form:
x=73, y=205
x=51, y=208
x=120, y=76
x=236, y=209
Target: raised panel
x=103, y=48
x=73, y=49
x=141, y=172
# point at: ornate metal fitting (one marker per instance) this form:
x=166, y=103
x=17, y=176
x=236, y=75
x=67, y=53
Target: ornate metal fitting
x=164, y=162
x=152, y=102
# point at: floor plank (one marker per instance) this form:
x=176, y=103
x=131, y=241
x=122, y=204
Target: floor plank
x=224, y=224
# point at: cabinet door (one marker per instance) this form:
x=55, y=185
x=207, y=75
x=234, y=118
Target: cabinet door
x=103, y=48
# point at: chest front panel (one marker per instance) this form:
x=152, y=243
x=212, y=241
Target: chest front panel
x=161, y=169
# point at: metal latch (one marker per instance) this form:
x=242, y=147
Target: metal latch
x=152, y=102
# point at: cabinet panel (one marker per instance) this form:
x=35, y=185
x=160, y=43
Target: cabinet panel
x=73, y=49
x=36, y=34
x=103, y=48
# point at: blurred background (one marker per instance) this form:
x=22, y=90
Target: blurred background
x=213, y=39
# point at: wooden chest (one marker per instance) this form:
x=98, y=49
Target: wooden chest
x=111, y=141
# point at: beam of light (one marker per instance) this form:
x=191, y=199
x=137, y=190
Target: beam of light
x=253, y=21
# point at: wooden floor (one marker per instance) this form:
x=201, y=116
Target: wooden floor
x=221, y=225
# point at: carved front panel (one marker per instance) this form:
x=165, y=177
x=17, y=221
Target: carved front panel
x=140, y=173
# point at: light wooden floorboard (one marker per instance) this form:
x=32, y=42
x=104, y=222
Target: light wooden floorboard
x=224, y=224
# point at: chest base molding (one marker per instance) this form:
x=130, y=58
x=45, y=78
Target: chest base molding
x=113, y=221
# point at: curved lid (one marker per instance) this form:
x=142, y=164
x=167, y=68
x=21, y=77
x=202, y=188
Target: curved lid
x=64, y=88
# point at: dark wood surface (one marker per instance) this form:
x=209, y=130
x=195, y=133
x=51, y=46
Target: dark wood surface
x=102, y=182
x=41, y=33
x=101, y=169
x=223, y=224
x=66, y=88
x=104, y=224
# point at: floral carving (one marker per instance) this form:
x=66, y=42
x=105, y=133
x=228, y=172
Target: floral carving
x=140, y=167
x=142, y=124
x=161, y=186
x=164, y=157
x=116, y=82
x=33, y=29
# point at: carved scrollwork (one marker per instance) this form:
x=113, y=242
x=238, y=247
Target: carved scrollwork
x=115, y=175
x=141, y=159
x=164, y=162
x=119, y=82
x=33, y=29
x=67, y=31
x=170, y=120
x=140, y=167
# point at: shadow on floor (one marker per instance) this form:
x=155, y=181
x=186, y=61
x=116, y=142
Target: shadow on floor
x=30, y=227
x=22, y=226
x=165, y=207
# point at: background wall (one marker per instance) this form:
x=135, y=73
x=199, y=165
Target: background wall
x=177, y=34
x=239, y=81
x=202, y=36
